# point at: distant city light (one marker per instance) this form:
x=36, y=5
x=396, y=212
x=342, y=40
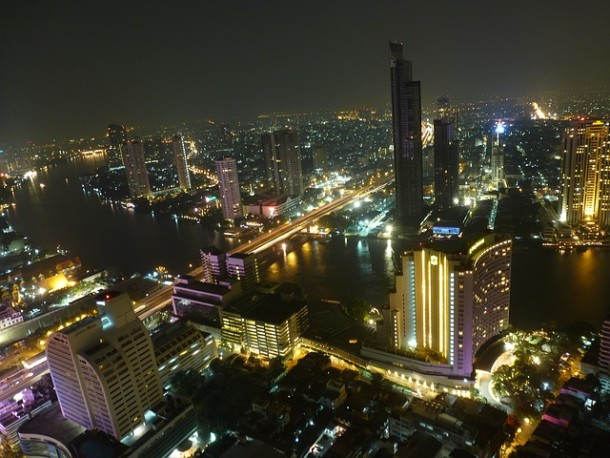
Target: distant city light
x=500, y=127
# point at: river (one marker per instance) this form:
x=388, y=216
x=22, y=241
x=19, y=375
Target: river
x=53, y=209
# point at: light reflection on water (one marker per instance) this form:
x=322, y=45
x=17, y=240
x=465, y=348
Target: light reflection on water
x=546, y=286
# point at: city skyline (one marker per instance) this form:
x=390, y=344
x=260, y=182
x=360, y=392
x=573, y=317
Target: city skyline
x=63, y=79
x=385, y=261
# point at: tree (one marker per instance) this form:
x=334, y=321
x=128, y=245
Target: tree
x=187, y=383
x=376, y=379
x=276, y=368
x=357, y=308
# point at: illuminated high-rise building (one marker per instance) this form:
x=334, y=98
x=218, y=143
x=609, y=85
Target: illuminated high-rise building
x=586, y=173
x=445, y=306
x=117, y=135
x=132, y=153
x=283, y=161
x=104, y=369
x=406, y=123
x=230, y=194
x=184, y=179
x=446, y=167
x=497, y=158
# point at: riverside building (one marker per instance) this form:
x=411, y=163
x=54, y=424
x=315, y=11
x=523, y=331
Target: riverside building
x=444, y=307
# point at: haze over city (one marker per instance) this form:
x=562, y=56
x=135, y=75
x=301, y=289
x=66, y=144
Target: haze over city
x=304, y=229
x=69, y=68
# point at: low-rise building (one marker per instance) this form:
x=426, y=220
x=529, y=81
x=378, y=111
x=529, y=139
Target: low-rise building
x=275, y=206
x=50, y=434
x=9, y=316
x=266, y=324
x=182, y=348
x=456, y=422
x=194, y=299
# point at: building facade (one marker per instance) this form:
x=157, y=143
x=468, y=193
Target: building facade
x=406, y=127
x=132, y=153
x=213, y=263
x=586, y=174
x=9, y=316
x=446, y=164
x=104, y=369
x=244, y=267
x=228, y=181
x=445, y=306
x=184, y=179
x=271, y=327
x=274, y=207
x=203, y=301
x=283, y=161
x=182, y=348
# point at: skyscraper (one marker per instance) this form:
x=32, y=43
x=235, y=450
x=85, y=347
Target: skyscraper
x=226, y=171
x=104, y=369
x=117, y=135
x=283, y=160
x=446, y=167
x=320, y=159
x=184, y=179
x=586, y=173
x=135, y=168
x=497, y=158
x=445, y=305
x=406, y=123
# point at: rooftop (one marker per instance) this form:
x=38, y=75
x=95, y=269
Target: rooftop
x=186, y=282
x=52, y=424
x=167, y=332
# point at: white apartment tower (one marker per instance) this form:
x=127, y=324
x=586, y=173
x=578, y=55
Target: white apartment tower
x=226, y=170
x=104, y=369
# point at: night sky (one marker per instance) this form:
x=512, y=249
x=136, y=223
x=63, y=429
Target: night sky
x=67, y=69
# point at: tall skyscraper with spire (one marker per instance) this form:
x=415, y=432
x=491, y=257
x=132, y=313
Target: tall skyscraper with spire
x=184, y=180
x=132, y=153
x=406, y=123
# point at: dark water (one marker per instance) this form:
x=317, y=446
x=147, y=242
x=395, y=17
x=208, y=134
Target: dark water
x=546, y=286
x=52, y=209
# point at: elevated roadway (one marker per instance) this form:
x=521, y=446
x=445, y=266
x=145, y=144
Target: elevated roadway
x=158, y=300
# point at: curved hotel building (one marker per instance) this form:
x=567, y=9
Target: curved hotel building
x=444, y=307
